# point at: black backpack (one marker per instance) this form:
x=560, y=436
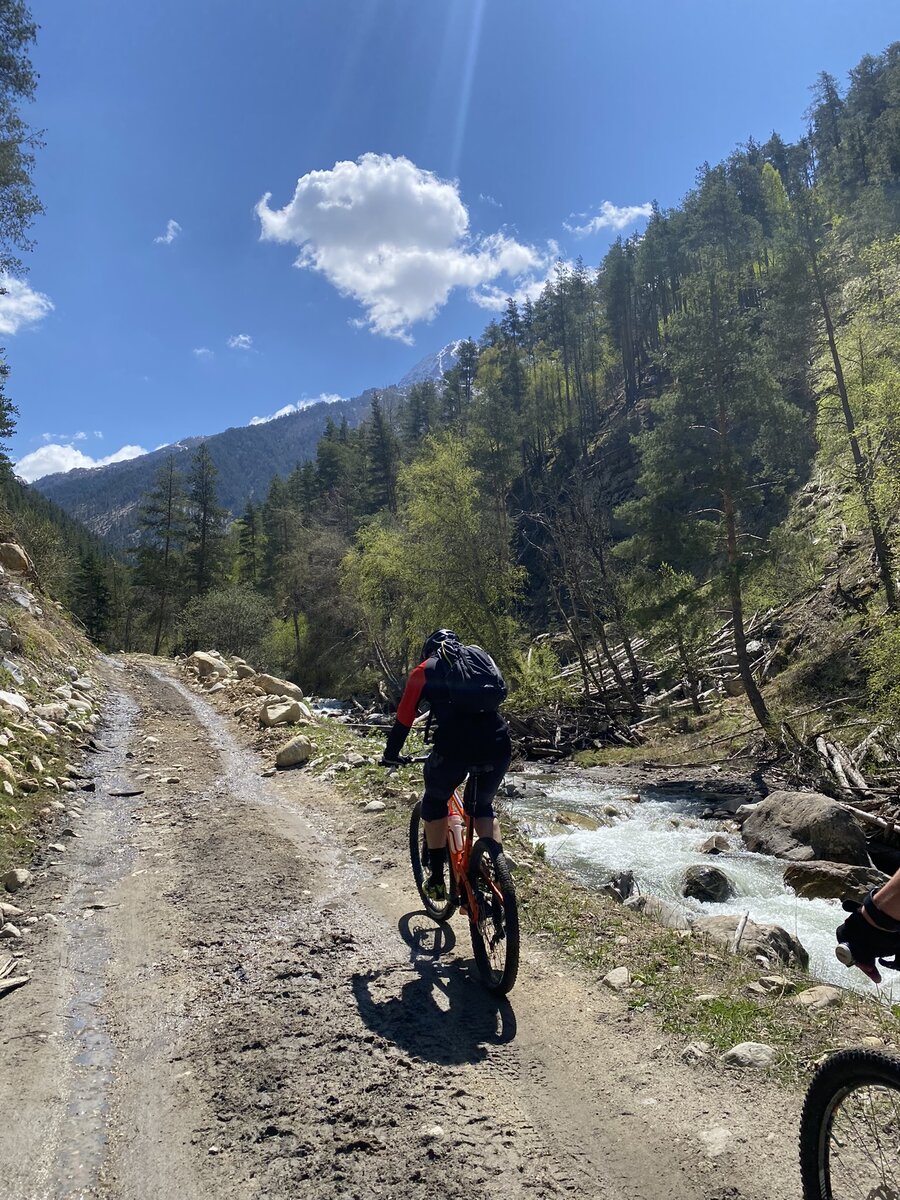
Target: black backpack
x=466, y=679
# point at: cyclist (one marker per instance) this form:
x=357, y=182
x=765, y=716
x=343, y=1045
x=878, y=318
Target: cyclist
x=463, y=688
x=872, y=931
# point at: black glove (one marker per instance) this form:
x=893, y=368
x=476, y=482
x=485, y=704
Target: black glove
x=868, y=943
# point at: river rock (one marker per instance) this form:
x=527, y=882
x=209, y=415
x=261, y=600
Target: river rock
x=819, y=880
x=618, y=979
x=620, y=886
x=294, y=752
x=770, y=941
x=815, y=999
x=278, y=687
x=244, y=671
x=280, y=712
x=751, y=1054
x=717, y=844
x=708, y=884
x=805, y=826
x=16, y=878
x=660, y=911
x=13, y=558
x=579, y=820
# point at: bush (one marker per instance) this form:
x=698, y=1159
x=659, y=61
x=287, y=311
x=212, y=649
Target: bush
x=881, y=657
x=233, y=620
x=534, y=684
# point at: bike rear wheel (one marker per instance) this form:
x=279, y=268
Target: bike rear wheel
x=495, y=936
x=418, y=853
x=850, y=1129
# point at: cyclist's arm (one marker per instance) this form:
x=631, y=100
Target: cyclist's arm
x=887, y=898
x=406, y=714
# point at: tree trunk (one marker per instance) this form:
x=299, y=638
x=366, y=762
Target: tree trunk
x=754, y=695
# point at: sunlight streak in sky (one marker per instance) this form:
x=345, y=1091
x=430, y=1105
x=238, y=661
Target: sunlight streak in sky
x=465, y=91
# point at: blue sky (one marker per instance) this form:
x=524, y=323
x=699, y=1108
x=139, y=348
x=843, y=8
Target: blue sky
x=469, y=133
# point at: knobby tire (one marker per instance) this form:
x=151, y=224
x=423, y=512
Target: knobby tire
x=489, y=861
x=417, y=849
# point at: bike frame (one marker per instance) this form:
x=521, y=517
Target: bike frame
x=459, y=859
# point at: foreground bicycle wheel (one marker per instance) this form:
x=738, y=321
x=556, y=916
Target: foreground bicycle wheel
x=495, y=937
x=850, y=1129
x=418, y=853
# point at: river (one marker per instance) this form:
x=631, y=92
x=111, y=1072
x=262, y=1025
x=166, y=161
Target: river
x=658, y=839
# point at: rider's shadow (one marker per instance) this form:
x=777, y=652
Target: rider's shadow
x=444, y=1014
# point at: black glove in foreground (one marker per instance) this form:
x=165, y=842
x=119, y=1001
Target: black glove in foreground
x=867, y=944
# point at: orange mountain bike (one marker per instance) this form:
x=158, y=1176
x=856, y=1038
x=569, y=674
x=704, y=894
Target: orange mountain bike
x=480, y=882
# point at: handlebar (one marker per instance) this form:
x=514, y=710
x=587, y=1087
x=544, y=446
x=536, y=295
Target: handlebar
x=405, y=760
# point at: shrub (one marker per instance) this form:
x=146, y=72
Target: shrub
x=233, y=620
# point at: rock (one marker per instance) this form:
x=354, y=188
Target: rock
x=16, y=878
x=280, y=712
x=57, y=847
x=83, y=683
x=819, y=880
x=769, y=941
x=708, y=884
x=620, y=887
x=751, y=1054
x=610, y=810
x=294, y=752
x=10, y=932
x=6, y=769
x=815, y=999
x=278, y=687
x=695, y=1052
x=630, y=798
x=8, y=911
x=717, y=844
x=207, y=664
x=13, y=558
x=660, y=911
x=36, y=765
x=52, y=712
x=10, y=640
x=217, y=687
x=375, y=806
x=356, y=760
x=618, y=979
x=579, y=820
x=805, y=826
x=243, y=671
x=28, y=784
x=776, y=983
x=15, y=702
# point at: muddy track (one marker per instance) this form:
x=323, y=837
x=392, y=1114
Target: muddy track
x=261, y=1011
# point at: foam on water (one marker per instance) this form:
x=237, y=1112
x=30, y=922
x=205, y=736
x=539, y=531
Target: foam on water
x=658, y=839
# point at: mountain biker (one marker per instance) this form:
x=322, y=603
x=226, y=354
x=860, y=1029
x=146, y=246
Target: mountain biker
x=872, y=931
x=463, y=688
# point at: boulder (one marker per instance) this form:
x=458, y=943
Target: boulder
x=819, y=880
x=717, y=844
x=16, y=878
x=278, y=687
x=770, y=941
x=577, y=819
x=708, y=884
x=815, y=999
x=803, y=826
x=243, y=671
x=294, y=752
x=13, y=558
x=207, y=664
x=660, y=911
x=751, y=1054
x=9, y=640
x=281, y=712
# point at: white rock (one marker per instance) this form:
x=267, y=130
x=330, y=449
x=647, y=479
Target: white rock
x=817, y=998
x=10, y=932
x=294, y=752
x=281, y=712
x=208, y=664
x=15, y=702
x=618, y=979
x=751, y=1054
x=278, y=687
x=375, y=806
x=8, y=910
x=16, y=878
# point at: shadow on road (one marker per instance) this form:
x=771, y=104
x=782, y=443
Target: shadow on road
x=443, y=1013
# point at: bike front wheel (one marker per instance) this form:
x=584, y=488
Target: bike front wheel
x=418, y=853
x=850, y=1129
x=495, y=934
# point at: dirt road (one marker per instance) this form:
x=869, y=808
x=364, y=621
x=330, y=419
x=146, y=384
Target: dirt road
x=235, y=997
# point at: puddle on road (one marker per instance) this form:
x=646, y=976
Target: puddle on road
x=103, y=859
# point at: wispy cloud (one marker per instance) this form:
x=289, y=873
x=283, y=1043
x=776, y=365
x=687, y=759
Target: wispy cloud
x=173, y=229
x=202, y=352
x=324, y=398
x=50, y=459
x=610, y=216
x=486, y=199
x=240, y=341
x=21, y=305
x=395, y=238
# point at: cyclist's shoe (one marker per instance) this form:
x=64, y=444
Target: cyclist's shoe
x=435, y=889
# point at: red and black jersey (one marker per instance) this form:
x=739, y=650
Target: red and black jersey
x=465, y=736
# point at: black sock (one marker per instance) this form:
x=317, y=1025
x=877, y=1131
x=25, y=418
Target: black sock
x=436, y=860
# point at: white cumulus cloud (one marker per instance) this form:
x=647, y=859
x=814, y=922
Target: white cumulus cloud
x=61, y=457
x=172, y=231
x=394, y=237
x=202, y=352
x=324, y=398
x=21, y=305
x=611, y=216
x=240, y=341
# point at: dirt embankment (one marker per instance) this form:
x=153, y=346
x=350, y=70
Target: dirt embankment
x=234, y=997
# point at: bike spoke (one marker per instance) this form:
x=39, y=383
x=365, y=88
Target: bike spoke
x=865, y=1145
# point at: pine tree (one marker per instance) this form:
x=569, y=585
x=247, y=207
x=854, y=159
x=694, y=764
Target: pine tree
x=206, y=523
x=160, y=561
x=250, y=546
x=91, y=594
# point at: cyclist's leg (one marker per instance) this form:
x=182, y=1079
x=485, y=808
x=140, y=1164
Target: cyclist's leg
x=441, y=777
x=487, y=785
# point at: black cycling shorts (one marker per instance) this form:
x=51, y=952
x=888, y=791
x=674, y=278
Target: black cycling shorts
x=443, y=774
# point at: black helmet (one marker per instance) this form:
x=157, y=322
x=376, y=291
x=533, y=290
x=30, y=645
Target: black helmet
x=433, y=642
